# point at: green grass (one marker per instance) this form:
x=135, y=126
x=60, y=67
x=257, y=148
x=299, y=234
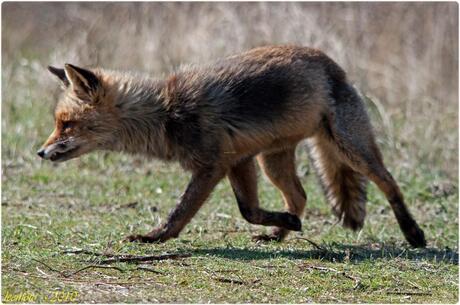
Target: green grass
x=47, y=209
x=92, y=203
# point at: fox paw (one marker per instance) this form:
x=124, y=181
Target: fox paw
x=156, y=236
x=267, y=238
x=415, y=237
x=292, y=222
x=140, y=238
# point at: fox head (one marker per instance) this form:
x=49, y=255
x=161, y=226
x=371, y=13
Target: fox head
x=84, y=117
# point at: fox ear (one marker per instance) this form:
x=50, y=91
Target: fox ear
x=60, y=73
x=83, y=82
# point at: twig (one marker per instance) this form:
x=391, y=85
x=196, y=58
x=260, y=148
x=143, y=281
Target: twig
x=94, y=266
x=127, y=205
x=356, y=279
x=229, y=270
x=135, y=258
x=82, y=251
x=214, y=276
x=349, y=276
x=323, y=268
x=128, y=257
x=312, y=243
x=231, y=281
x=42, y=272
x=343, y=273
x=47, y=266
x=149, y=269
x=409, y=292
x=111, y=258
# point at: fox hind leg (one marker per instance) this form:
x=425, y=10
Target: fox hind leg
x=243, y=180
x=348, y=135
x=376, y=171
x=280, y=168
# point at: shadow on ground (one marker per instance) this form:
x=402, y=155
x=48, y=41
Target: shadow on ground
x=336, y=253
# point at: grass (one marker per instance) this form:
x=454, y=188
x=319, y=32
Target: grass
x=83, y=204
x=92, y=203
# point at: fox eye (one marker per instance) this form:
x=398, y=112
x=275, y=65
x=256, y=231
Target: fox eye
x=67, y=124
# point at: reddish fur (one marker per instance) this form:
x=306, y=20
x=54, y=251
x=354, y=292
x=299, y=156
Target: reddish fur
x=215, y=119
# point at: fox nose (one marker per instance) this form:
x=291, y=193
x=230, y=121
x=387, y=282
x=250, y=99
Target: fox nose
x=41, y=153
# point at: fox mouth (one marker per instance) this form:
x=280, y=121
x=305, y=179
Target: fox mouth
x=63, y=156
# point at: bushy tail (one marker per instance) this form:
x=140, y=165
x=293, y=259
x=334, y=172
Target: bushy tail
x=344, y=188
x=342, y=150
x=340, y=146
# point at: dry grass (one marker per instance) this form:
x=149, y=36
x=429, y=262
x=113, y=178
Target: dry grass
x=404, y=56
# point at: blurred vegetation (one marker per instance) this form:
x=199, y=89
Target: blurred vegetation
x=402, y=56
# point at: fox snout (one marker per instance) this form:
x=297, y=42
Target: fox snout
x=41, y=153
x=58, y=151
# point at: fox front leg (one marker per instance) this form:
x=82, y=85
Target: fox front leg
x=198, y=190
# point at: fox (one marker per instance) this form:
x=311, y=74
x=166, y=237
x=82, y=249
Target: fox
x=217, y=119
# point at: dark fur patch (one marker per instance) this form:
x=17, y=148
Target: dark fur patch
x=260, y=96
x=291, y=222
x=409, y=227
x=184, y=129
x=60, y=73
x=266, y=218
x=245, y=212
x=90, y=77
x=326, y=123
x=254, y=96
x=340, y=90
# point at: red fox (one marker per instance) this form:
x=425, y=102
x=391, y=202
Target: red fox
x=215, y=120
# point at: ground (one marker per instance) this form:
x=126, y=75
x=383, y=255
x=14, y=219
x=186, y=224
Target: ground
x=92, y=203
x=57, y=218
